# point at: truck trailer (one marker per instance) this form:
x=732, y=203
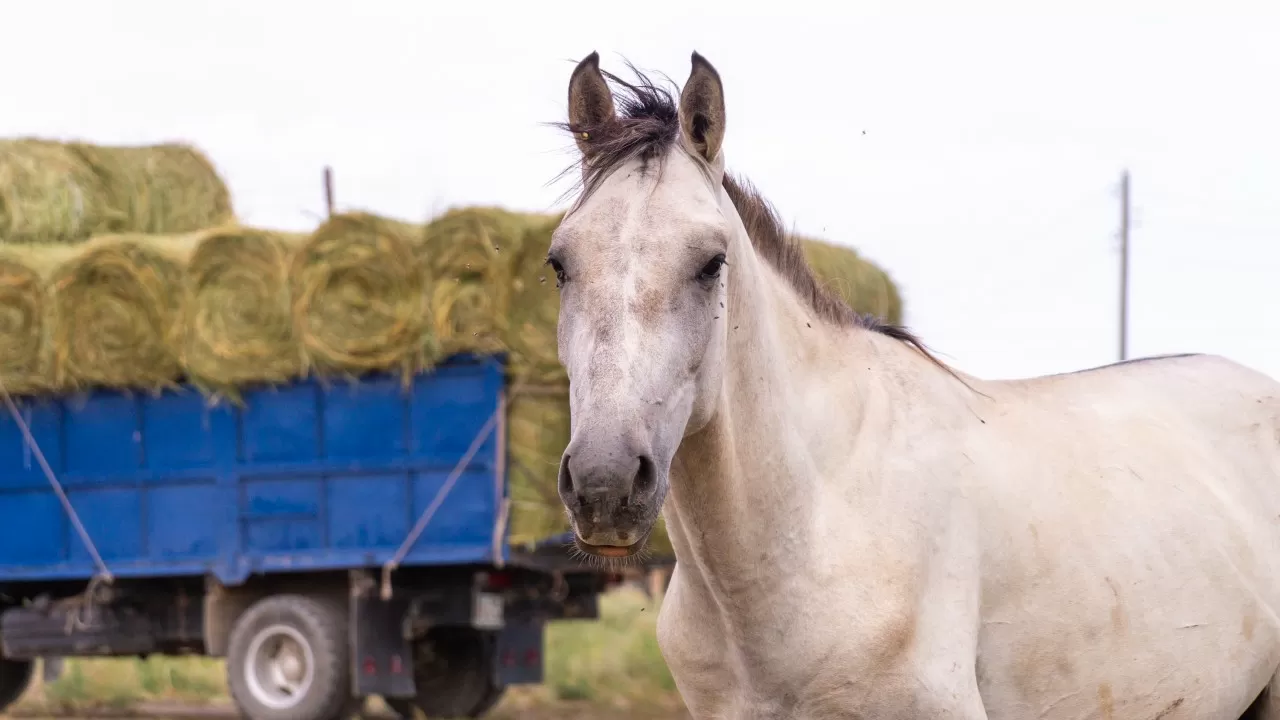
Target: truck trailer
x=331, y=540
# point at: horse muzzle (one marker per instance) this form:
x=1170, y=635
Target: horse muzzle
x=611, y=489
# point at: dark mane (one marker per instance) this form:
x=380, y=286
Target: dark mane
x=647, y=126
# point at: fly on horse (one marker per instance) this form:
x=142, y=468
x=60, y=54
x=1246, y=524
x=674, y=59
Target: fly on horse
x=860, y=530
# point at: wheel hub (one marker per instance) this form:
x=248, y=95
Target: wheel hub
x=281, y=667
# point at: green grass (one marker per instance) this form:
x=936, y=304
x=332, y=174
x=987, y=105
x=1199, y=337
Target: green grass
x=125, y=682
x=615, y=657
x=613, y=662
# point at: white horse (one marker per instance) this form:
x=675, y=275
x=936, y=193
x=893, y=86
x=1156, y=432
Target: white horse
x=860, y=531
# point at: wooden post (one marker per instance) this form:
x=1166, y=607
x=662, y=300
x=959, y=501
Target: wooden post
x=657, y=583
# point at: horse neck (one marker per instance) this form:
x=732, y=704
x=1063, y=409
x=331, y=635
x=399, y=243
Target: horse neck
x=796, y=390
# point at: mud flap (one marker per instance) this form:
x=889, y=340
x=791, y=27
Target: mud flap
x=381, y=657
x=520, y=653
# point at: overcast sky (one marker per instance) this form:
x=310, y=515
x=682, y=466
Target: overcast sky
x=976, y=157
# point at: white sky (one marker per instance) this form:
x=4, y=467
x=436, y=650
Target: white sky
x=985, y=181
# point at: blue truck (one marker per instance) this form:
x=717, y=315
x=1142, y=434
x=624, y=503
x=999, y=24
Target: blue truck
x=332, y=541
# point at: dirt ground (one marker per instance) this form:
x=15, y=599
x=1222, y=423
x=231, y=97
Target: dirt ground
x=568, y=712
x=587, y=713
x=506, y=711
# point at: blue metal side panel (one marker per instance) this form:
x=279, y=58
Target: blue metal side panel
x=305, y=476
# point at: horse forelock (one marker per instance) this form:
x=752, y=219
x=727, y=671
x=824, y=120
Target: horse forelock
x=645, y=129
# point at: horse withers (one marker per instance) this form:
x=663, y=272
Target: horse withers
x=860, y=530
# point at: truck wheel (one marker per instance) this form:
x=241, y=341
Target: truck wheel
x=454, y=672
x=402, y=707
x=487, y=703
x=15, y=676
x=288, y=659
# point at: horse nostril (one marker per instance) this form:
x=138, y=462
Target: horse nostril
x=566, y=480
x=646, y=479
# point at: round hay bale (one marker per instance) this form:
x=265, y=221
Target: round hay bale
x=237, y=322
x=873, y=291
x=535, y=307
x=358, y=294
x=862, y=285
x=876, y=294
x=22, y=327
x=116, y=304
x=168, y=188
x=26, y=327
x=470, y=254
x=836, y=269
x=48, y=195
x=894, y=312
x=537, y=433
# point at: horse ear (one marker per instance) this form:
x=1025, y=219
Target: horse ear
x=702, y=109
x=590, y=101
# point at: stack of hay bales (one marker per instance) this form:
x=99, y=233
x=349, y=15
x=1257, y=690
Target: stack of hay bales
x=126, y=268
x=89, y=283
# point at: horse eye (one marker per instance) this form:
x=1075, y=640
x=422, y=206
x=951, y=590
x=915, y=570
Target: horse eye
x=559, y=270
x=711, y=270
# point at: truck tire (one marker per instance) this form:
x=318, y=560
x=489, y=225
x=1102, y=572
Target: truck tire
x=15, y=676
x=404, y=707
x=455, y=674
x=488, y=702
x=288, y=659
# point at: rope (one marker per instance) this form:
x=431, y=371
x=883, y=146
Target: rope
x=84, y=605
x=495, y=420
x=499, y=482
x=104, y=573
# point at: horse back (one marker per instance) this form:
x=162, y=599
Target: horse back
x=1131, y=520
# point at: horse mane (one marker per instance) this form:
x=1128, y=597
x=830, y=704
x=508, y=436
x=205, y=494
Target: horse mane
x=646, y=127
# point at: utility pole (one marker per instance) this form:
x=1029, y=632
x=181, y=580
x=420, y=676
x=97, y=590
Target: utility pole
x=328, y=190
x=1124, y=265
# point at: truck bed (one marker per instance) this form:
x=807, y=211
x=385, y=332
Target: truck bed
x=308, y=476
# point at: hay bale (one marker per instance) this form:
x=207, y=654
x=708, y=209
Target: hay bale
x=537, y=433
x=861, y=284
x=358, y=292
x=48, y=194
x=896, y=313
x=166, y=188
x=877, y=295
x=55, y=192
x=535, y=308
x=470, y=255
x=22, y=327
x=116, y=304
x=237, y=323
x=837, y=269
x=26, y=327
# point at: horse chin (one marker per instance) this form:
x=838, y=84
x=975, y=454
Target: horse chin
x=618, y=553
